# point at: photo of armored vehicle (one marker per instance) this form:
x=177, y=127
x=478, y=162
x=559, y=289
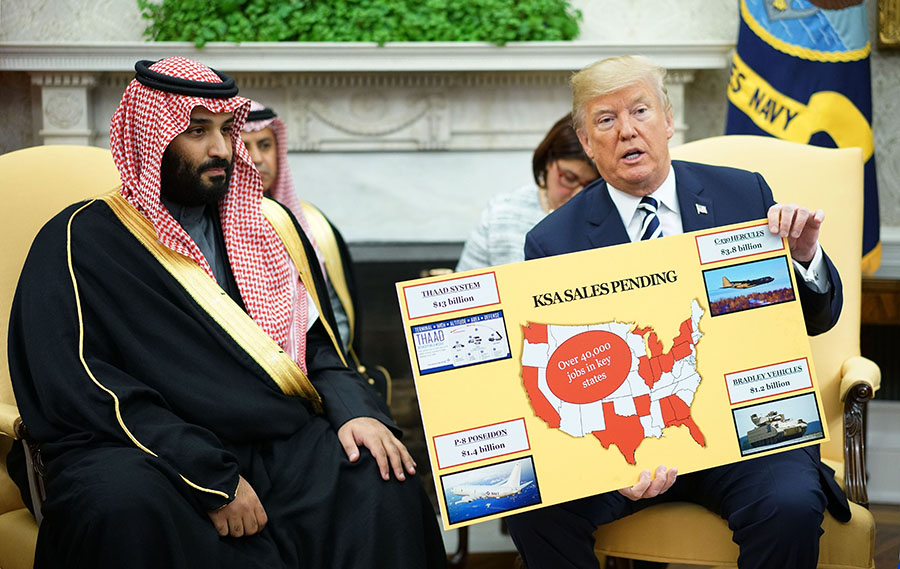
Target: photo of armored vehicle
x=774, y=428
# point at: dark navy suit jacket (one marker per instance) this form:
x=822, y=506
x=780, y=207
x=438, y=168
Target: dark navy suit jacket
x=590, y=220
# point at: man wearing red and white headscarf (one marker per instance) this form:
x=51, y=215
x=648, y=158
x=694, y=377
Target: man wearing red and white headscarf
x=173, y=351
x=265, y=136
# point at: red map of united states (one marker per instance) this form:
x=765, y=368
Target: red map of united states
x=613, y=380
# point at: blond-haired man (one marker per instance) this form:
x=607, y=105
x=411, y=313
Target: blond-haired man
x=624, y=121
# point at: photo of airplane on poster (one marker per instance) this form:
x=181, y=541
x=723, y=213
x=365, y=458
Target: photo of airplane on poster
x=491, y=489
x=734, y=288
x=746, y=284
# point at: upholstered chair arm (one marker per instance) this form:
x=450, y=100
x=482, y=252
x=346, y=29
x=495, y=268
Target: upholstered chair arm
x=859, y=369
x=861, y=378
x=9, y=420
x=11, y=425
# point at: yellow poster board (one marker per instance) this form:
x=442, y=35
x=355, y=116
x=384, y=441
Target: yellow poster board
x=558, y=378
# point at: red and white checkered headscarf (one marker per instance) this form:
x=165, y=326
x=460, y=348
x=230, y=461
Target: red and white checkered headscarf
x=282, y=188
x=144, y=124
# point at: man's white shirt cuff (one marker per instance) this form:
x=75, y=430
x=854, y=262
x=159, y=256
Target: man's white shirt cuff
x=816, y=275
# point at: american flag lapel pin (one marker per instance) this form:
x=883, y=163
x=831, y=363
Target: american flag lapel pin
x=701, y=209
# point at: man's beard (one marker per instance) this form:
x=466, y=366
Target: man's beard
x=184, y=184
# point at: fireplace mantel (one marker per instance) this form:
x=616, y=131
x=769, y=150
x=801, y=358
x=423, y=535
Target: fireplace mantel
x=280, y=57
x=436, y=78
x=415, y=136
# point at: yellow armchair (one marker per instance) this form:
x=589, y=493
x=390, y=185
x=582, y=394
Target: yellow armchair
x=832, y=180
x=35, y=183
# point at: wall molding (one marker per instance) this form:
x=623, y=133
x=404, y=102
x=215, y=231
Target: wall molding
x=360, y=97
x=357, y=56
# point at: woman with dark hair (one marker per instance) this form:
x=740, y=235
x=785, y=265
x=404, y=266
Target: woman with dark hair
x=561, y=170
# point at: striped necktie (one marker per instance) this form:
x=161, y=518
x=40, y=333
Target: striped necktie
x=650, y=227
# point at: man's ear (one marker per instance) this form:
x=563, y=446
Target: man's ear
x=670, y=125
x=585, y=142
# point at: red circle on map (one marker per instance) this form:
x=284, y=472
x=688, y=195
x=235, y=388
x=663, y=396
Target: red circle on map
x=588, y=367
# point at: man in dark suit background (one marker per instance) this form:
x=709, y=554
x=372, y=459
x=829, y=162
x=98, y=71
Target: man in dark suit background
x=774, y=504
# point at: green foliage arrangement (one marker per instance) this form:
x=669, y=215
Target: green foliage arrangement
x=495, y=21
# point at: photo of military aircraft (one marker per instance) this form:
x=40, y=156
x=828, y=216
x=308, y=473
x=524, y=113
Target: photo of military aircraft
x=745, y=284
x=509, y=487
x=749, y=285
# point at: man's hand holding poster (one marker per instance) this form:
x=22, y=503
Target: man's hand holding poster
x=553, y=379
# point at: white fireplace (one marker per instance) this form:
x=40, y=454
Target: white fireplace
x=400, y=145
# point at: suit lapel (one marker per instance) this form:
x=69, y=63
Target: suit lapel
x=697, y=210
x=605, y=222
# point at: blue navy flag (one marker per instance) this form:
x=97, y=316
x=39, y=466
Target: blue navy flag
x=801, y=73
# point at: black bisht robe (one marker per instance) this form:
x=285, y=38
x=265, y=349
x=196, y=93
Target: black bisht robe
x=147, y=427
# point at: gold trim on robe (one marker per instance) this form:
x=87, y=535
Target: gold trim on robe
x=326, y=240
x=327, y=243
x=287, y=231
x=87, y=368
x=283, y=370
